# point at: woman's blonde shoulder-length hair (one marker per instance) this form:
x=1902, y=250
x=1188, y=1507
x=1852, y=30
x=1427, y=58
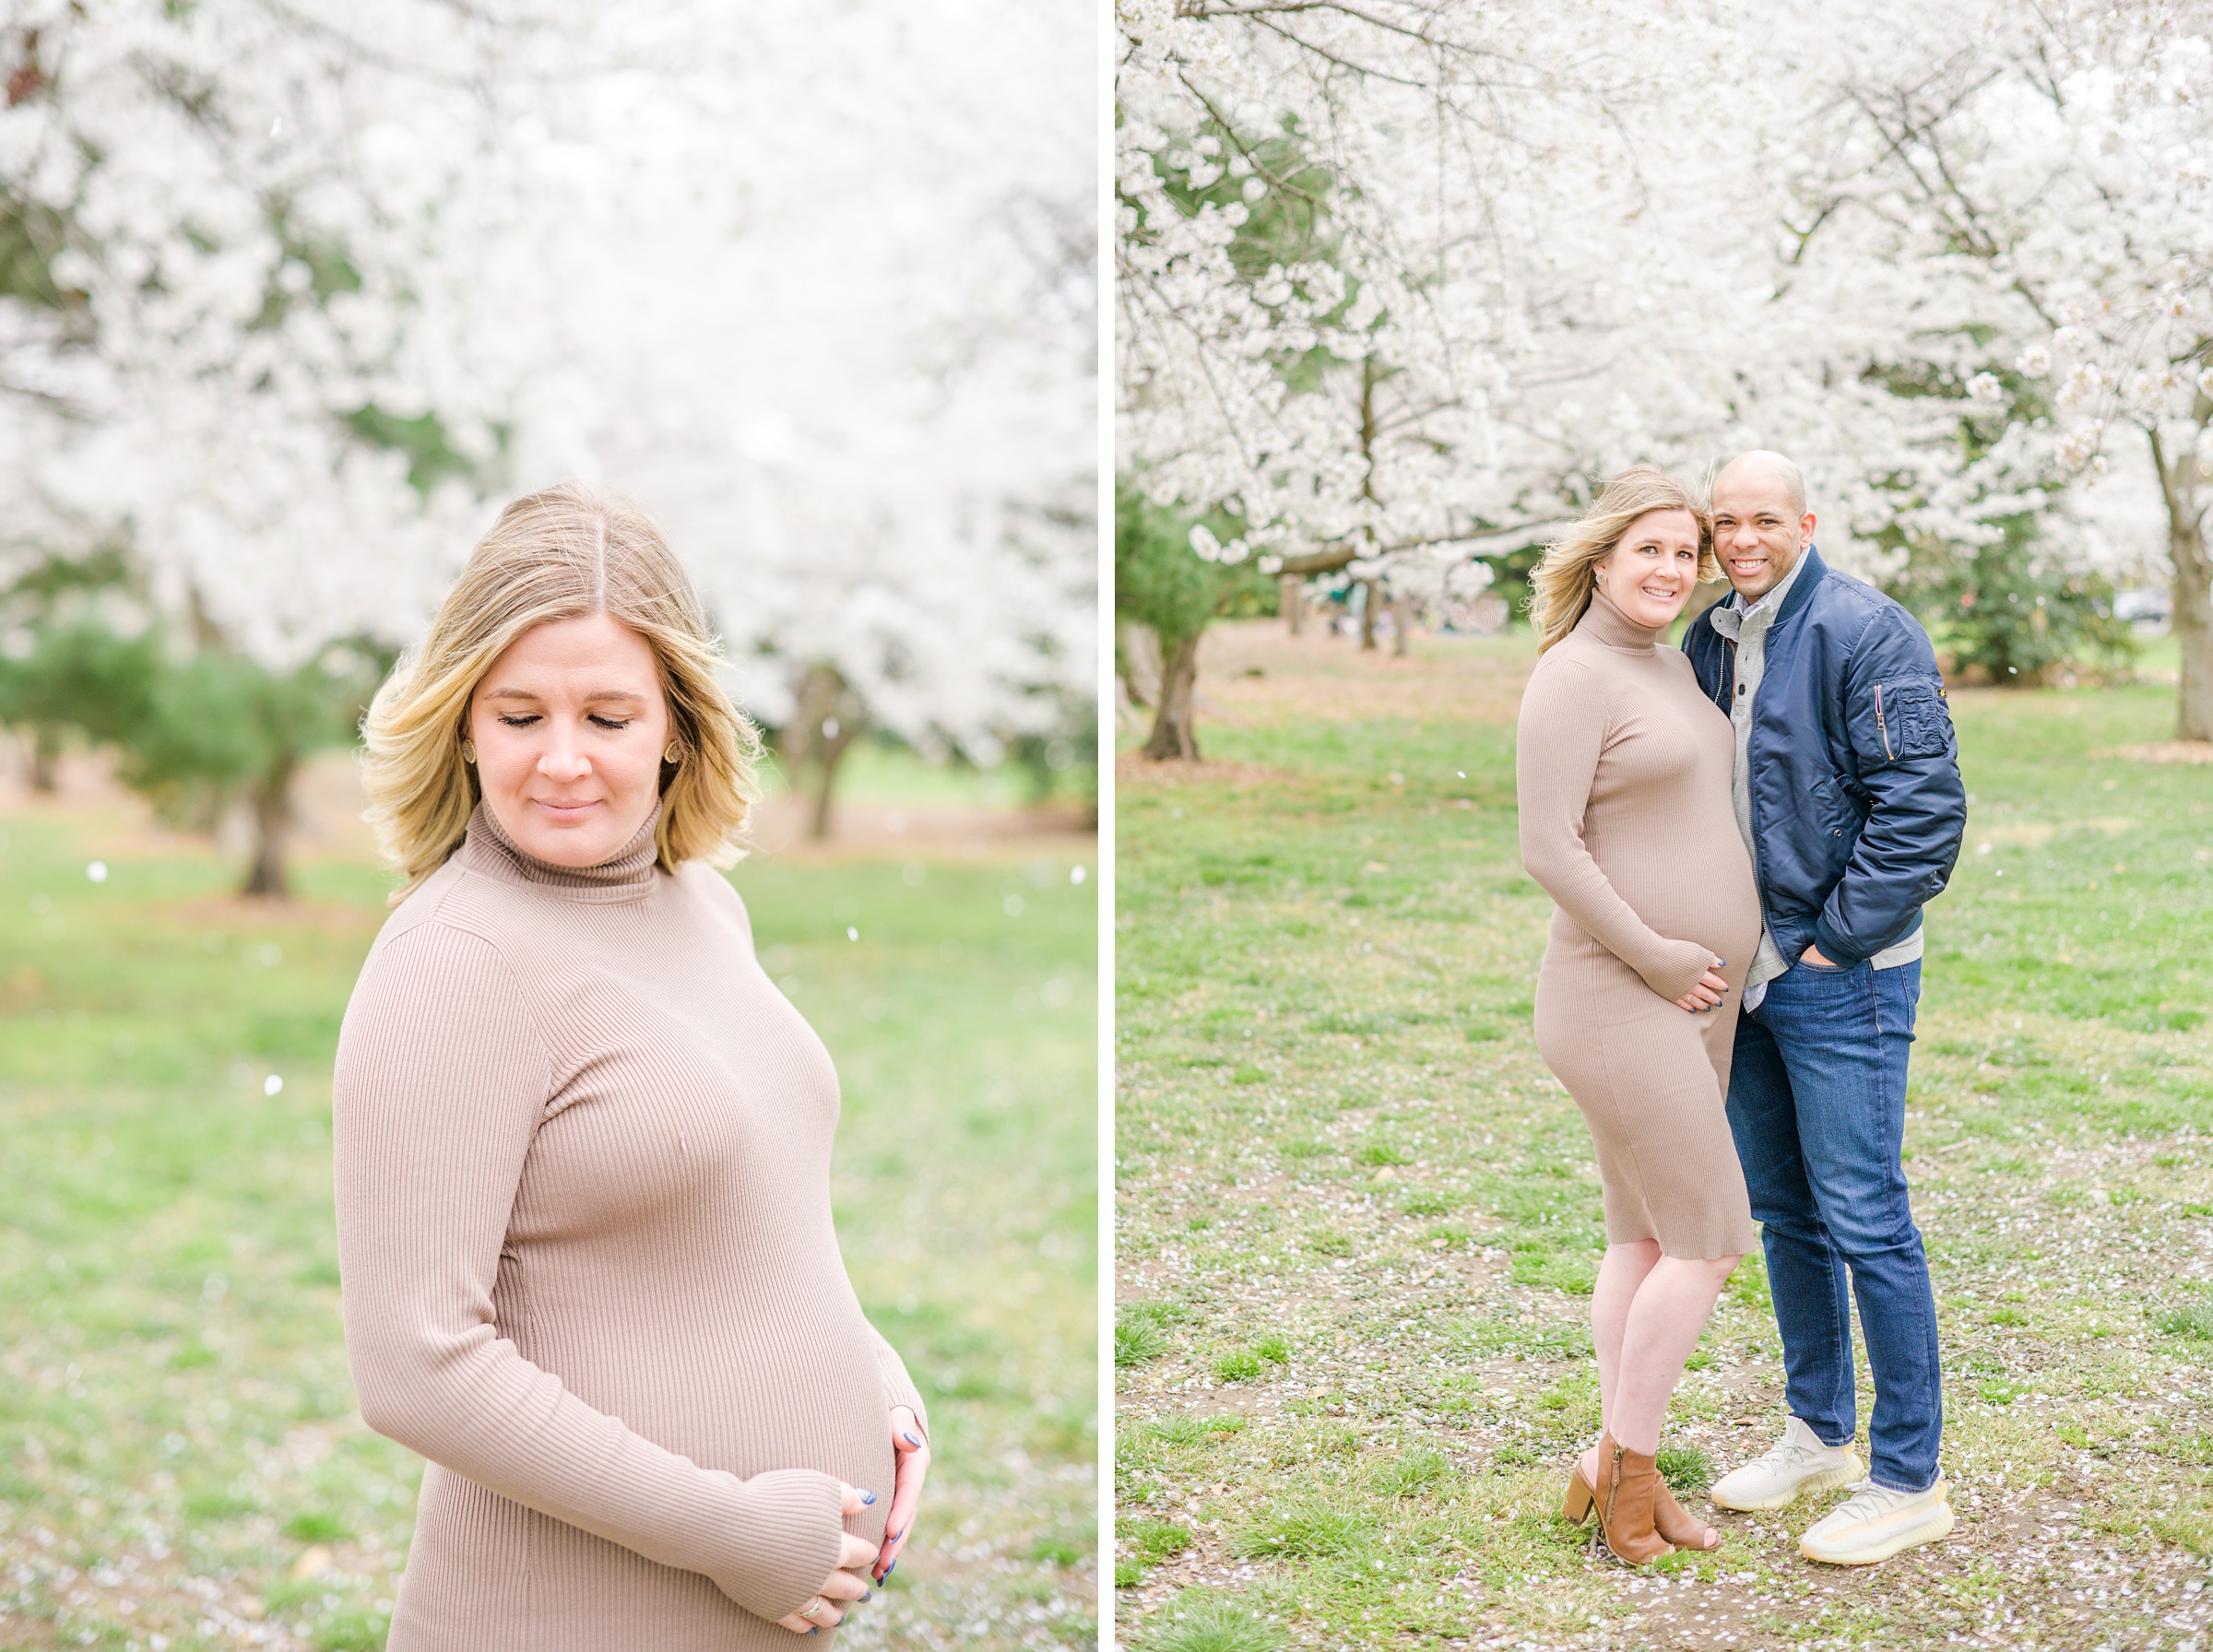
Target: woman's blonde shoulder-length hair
x=1561, y=585
x=561, y=554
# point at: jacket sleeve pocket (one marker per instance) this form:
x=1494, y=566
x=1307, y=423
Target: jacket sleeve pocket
x=1905, y=717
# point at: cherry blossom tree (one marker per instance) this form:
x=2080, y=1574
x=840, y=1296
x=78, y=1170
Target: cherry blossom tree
x=210, y=276
x=206, y=284
x=2046, y=169
x=1399, y=283
x=290, y=309
x=1390, y=276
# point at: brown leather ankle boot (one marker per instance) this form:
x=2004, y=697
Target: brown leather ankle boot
x=1625, y=1503
x=1683, y=1529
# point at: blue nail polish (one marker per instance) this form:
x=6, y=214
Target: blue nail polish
x=909, y=1439
x=814, y=1632
x=868, y=1593
x=867, y=1497
x=889, y=1570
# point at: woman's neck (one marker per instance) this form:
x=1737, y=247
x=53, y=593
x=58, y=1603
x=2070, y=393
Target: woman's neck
x=629, y=873
x=1605, y=621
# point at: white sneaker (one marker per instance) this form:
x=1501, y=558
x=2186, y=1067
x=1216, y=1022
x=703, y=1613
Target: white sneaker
x=1799, y=1463
x=1873, y=1524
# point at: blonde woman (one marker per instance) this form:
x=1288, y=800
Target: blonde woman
x=582, y=1144
x=1624, y=771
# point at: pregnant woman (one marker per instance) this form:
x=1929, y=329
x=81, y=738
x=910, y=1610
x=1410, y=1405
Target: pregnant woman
x=582, y=1144
x=1624, y=771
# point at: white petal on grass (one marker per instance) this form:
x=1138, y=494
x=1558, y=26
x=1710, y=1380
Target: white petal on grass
x=97, y=871
x=272, y=1085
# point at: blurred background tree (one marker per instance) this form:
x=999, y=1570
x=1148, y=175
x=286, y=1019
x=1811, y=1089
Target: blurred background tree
x=199, y=727
x=63, y=667
x=225, y=729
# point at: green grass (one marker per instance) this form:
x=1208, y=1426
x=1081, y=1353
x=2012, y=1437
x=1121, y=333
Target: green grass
x=1684, y=1469
x=876, y=773
x=177, y=1431
x=2195, y=1322
x=1201, y=1621
x=1346, y=913
x=1307, y=1531
x=1411, y=1473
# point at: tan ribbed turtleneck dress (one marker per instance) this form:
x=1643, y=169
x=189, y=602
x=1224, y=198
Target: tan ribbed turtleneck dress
x=583, y=1168
x=1624, y=767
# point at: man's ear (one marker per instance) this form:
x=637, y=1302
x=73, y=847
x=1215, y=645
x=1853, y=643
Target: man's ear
x=1806, y=530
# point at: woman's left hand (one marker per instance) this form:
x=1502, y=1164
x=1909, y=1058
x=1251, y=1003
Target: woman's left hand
x=912, y=1446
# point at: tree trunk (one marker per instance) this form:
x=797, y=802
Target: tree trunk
x=1369, y=603
x=2182, y=484
x=1402, y=621
x=1175, y=734
x=46, y=754
x=828, y=753
x=1139, y=656
x=2192, y=607
x=826, y=715
x=271, y=800
x=1291, y=602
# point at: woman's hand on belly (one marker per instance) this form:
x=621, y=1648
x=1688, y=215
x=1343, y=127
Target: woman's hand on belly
x=1710, y=990
x=844, y=1585
x=913, y=1448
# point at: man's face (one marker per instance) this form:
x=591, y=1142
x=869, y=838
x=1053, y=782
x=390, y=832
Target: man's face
x=1758, y=530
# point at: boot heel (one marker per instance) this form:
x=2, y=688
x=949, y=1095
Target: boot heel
x=1576, y=1509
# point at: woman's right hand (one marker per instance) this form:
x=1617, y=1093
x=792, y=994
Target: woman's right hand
x=844, y=1585
x=1709, y=991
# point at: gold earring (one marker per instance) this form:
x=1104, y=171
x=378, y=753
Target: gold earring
x=468, y=751
x=674, y=755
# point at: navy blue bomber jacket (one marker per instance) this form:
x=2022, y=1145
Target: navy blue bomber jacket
x=1857, y=805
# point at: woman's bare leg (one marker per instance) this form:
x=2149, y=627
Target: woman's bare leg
x=1664, y=1323
x=1619, y=1276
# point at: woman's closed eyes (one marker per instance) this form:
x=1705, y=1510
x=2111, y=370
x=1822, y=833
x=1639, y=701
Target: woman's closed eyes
x=614, y=725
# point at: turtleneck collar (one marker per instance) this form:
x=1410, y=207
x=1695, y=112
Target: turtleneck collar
x=629, y=874
x=1607, y=624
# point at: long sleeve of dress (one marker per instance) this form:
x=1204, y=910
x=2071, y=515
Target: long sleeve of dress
x=441, y=1077
x=1562, y=733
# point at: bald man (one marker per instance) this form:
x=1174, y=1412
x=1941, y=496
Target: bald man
x=1848, y=795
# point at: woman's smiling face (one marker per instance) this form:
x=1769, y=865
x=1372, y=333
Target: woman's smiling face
x=570, y=724
x=1654, y=568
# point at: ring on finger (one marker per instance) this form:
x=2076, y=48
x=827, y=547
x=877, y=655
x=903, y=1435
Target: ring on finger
x=813, y=1605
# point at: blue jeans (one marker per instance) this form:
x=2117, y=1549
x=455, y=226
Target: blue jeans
x=1818, y=1106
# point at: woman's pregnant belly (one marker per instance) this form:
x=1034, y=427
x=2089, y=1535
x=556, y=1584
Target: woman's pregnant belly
x=1710, y=899
x=778, y=1391
x=485, y=1575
